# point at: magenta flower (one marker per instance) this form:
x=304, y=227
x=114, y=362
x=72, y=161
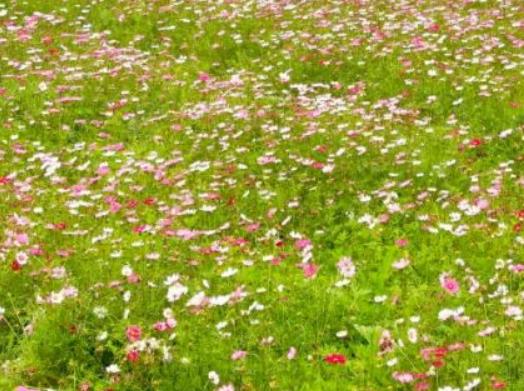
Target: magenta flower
x=301, y=244
x=310, y=270
x=449, y=284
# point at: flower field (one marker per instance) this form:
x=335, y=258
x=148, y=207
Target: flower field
x=254, y=195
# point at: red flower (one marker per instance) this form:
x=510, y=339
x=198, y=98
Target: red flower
x=441, y=352
x=132, y=204
x=133, y=356
x=149, y=201
x=15, y=266
x=60, y=226
x=434, y=28
x=438, y=363
x=498, y=384
x=335, y=358
x=139, y=229
x=476, y=142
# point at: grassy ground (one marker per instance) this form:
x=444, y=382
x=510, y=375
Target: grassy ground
x=261, y=195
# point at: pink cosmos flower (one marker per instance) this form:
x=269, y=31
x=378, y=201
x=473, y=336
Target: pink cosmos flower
x=160, y=326
x=133, y=278
x=102, y=170
x=187, y=234
x=346, y=267
x=266, y=159
x=402, y=263
x=133, y=333
x=204, y=77
x=22, y=239
x=238, y=355
x=133, y=355
x=292, y=352
x=36, y=251
x=482, y=203
x=302, y=244
x=418, y=42
x=449, y=284
x=252, y=227
x=310, y=270
x=403, y=377
x=383, y=218
x=422, y=386
x=402, y=242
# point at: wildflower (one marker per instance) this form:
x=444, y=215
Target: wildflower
x=497, y=384
x=402, y=263
x=346, y=267
x=404, y=377
x=310, y=270
x=133, y=333
x=335, y=358
x=449, y=284
x=238, y=355
x=402, y=242
x=213, y=377
x=133, y=355
x=303, y=244
x=113, y=369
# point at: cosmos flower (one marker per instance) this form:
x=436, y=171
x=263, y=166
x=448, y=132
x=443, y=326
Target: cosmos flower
x=238, y=355
x=335, y=359
x=449, y=284
x=346, y=267
x=133, y=333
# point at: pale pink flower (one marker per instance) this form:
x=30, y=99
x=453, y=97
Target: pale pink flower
x=302, y=244
x=22, y=239
x=102, y=170
x=402, y=263
x=266, y=159
x=346, y=267
x=238, y=355
x=402, y=242
x=482, y=203
x=403, y=377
